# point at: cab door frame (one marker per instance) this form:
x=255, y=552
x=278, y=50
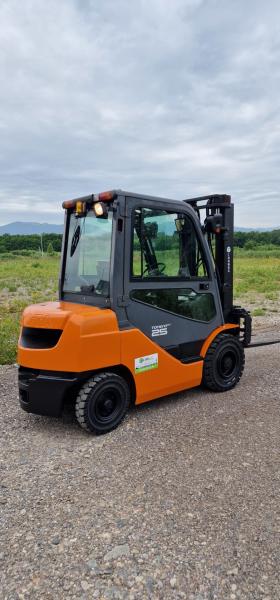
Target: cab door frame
x=182, y=337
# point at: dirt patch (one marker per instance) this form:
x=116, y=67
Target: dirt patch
x=265, y=311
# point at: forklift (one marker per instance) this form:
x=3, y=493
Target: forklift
x=145, y=308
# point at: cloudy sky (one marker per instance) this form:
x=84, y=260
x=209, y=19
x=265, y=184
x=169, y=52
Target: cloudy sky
x=170, y=97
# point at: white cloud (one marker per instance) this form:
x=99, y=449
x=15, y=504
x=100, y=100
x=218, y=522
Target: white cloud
x=170, y=98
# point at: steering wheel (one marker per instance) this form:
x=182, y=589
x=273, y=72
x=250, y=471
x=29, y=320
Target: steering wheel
x=158, y=271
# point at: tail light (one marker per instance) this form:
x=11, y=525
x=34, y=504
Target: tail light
x=105, y=196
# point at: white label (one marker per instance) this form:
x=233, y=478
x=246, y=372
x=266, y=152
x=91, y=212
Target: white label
x=145, y=363
x=228, y=258
x=160, y=329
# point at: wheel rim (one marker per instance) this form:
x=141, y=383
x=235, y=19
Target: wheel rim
x=108, y=405
x=228, y=363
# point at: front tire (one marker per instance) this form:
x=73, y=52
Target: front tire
x=224, y=363
x=102, y=403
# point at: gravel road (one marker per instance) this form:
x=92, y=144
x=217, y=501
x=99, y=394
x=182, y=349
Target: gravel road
x=182, y=501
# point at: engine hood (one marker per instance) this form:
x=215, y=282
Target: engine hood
x=89, y=337
x=54, y=315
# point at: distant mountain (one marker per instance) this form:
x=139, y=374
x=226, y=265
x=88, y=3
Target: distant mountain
x=29, y=228
x=166, y=226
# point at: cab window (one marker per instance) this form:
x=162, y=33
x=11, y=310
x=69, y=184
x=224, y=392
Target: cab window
x=165, y=245
x=183, y=302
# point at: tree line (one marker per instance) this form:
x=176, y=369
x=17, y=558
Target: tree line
x=48, y=242
x=251, y=239
x=51, y=242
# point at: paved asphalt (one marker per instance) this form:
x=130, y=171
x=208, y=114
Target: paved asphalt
x=182, y=501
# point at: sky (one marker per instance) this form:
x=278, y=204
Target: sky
x=172, y=98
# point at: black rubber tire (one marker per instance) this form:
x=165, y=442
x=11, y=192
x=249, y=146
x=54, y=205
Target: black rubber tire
x=223, y=363
x=104, y=393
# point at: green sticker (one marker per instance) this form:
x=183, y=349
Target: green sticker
x=146, y=363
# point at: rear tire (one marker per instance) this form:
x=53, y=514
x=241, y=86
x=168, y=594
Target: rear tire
x=102, y=403
x=223, y=363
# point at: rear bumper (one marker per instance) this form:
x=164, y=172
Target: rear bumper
x=44, y=393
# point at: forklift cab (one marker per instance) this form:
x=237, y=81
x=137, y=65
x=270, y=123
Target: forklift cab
x=148, y=260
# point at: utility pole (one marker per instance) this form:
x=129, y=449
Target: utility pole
x=42, y=249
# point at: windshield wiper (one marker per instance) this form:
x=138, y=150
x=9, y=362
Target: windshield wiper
x=75, y=240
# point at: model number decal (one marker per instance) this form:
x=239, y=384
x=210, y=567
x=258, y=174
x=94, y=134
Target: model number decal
x=228, y=258
x=160, y=329
x=145, y=363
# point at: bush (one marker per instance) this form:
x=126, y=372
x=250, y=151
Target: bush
x=8, y=256
x=24, y=252
x=249, y=245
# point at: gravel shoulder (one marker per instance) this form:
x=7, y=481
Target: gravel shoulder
x=181, y=501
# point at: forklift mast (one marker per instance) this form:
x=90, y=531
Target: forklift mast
x=218, y=228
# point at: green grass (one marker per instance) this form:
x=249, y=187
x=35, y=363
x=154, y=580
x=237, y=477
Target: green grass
x=268, y=251
x=258, y=312
x=29, y=279
x=23, y=281
x=256, y=274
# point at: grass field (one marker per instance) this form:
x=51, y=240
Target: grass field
x=23, y=280
x=26, y=280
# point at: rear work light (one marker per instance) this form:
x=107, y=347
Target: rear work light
x=81, y=204
x=81, y=209
x=101, y=210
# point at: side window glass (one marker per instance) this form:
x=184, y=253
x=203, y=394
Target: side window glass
x=165, y=245
x=184, y=302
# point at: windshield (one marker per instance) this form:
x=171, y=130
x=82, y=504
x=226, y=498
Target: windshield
x=87, y=266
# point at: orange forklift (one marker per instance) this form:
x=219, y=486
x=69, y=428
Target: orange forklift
x=145, y=308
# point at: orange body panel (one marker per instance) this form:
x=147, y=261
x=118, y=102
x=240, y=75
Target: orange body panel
x=211, y=337
x=91, y=340
x=170, y=376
